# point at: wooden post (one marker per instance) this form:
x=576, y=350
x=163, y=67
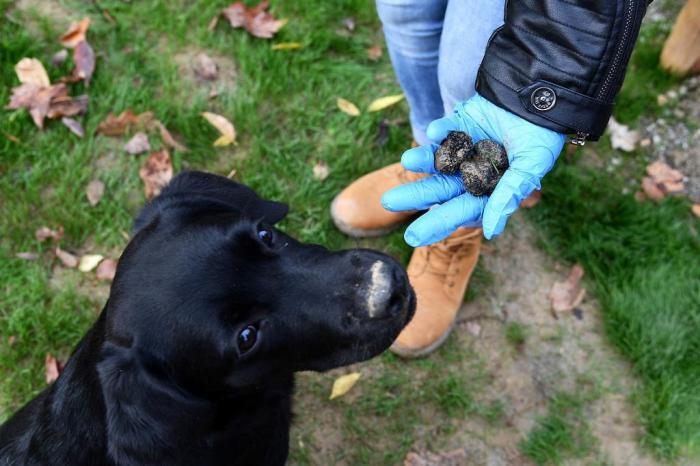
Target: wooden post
x=681, y=54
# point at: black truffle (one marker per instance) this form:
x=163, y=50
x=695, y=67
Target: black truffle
x=481, y=166
x=455, y=149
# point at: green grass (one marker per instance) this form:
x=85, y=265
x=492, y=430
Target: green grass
x=516, y=334
x=643, y=260
x=561, y=434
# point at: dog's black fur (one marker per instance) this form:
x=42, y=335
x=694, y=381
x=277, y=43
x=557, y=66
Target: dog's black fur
x=168, y=376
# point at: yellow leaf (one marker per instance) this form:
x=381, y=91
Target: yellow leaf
x=286, y=46
x=347, y=107
x=89, y=262
x=31, y=71
x=384, y=102
x=343, y=384
x=225, y=127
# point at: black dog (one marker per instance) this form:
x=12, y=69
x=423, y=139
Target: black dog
x=211, y=312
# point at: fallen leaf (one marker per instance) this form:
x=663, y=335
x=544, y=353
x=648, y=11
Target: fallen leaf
x=84, y=59
x=382, y=136
x=138, y=144
x=156, y=172
x=31, y=71
x=321, y=171
x=343, y=384
x=621, y=137
x=11, y=137
x=450, y=458
x=255, y=20
x=205, y=67
x=695, y=209
x=106, y=270
x=44, y=233
x=59, y=57
x=231, y=174
x=11, y=340
x=27, y=256
x=286, y=46
x=214, y=21
x=225, y=127
x=661, y=180
x=374, y=53
x=347, y=107
x=532, y=200
x=118, y=125
x=75, y=33
x=94, y=191
x=67, y=106
x=36, y=99
x=74, y=126
x=89, y=261
x=168, y=138
x=349, y=23
x=474, y=328
x=66, y=258
x=384, y=102
x=568, y=294
x=53, y=368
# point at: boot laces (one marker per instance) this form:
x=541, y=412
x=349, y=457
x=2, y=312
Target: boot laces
x=443, y=258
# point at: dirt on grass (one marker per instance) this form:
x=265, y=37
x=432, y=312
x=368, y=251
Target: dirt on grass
x=205, y=74
x=558, y=354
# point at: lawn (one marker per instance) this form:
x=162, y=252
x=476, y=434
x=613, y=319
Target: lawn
x=641, y=259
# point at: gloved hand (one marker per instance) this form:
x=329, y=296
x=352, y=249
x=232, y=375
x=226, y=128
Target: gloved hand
x=532, y=151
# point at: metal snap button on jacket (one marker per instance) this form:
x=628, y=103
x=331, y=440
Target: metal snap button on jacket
x=543, y=99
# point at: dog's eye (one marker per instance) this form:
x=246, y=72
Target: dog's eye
x=265, y=235
x=247, y=338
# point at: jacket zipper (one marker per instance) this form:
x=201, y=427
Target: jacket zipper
x=620, y=53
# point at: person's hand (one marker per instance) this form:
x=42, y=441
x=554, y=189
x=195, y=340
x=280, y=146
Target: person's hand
x=532, y=151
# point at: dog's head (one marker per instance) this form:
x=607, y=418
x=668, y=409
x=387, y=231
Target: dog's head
x=212, y=290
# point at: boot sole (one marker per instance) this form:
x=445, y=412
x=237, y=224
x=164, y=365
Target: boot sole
x=359, y=232
x=421, y=352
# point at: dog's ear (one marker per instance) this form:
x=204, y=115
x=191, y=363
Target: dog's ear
x=195, y=188
x=149, y=418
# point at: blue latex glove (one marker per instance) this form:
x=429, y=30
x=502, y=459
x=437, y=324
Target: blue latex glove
x=532, y=151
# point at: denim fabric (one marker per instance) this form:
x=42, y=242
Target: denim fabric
x=436, y=47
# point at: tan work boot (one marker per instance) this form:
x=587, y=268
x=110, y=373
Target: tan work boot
x=439, y=274
x=357, y=211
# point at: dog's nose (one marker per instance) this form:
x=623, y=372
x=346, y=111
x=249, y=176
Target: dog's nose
x=387, y=291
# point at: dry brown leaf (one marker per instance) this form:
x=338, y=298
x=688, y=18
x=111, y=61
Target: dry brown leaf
x=321, y=171
x=59, y=57
x=31, y=71
x=118, y=125
x=27, y=256
x=343, y=384
x=474, y=328
x=347, y=107
x=532, y=200
x=168, y=138
x=568, y=294
x=67, y=106
x=11, y=340
x=349, y=23
x=225, y=127
x=94, y=191
x=695, y=209
x=75, y=33
x=374, y=53
x=89, y=261
x=106, y=270
x=138, y=144
x=84, y=59
x=74, y=126
x=256, y=20
x=66, y=258
x=53, y=368
x=36, y=99
x=205, y=67
x=621, y=137
x=156, y=172
x=661, y=181
x=44, y=233
x=384, y=102
x=214, y=21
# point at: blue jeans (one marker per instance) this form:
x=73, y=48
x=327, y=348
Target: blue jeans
x=436, y=47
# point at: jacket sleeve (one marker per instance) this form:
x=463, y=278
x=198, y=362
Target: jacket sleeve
x=560, y=63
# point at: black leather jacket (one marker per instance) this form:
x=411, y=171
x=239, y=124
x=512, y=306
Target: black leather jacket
x=560, y=63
